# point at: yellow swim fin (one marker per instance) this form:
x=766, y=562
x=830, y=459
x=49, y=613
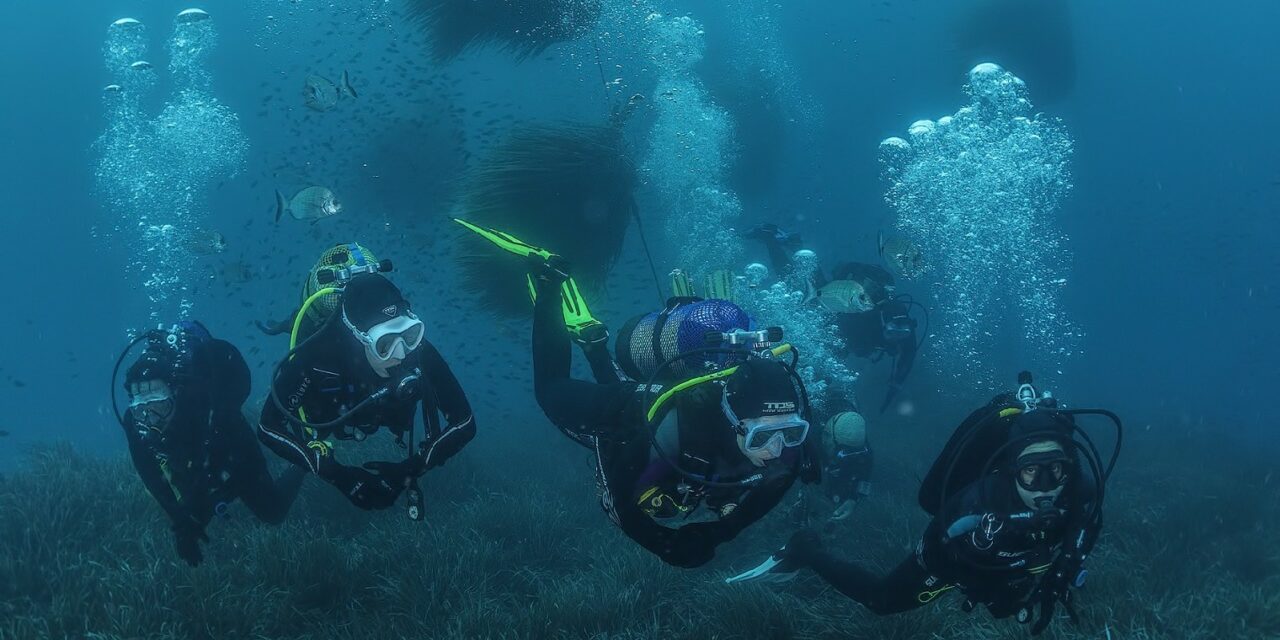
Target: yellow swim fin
x=719, y=285
x=681, y=285
x=506, y=241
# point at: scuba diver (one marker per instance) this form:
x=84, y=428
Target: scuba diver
x=846, y=467
x=697, y=450
x=365, y=366
x=188, y=438
x=873, y=321
x=1016, y=496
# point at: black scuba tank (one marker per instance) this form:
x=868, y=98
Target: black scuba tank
x=966, y=452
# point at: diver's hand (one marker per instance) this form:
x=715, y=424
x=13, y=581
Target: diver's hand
x=399, y=473
x=186, y=539
x=364, y=488
x=1055, y=587
x=554, y=269
x=843, y=511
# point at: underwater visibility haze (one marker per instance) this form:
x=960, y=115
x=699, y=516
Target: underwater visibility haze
x=588, y=318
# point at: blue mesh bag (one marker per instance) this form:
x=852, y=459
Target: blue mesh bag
x=647, y=341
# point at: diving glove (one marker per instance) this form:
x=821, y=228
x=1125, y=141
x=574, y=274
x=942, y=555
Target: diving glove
x=398, y=473
x=186, y=540
x=364, y=488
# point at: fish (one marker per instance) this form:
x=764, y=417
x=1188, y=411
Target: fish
x=312, y=203
x=141, y=65
x=3, y=433
x=238, y=272
x=321, y=94
x=206, y=243
x=902, y=255
x=844, y=296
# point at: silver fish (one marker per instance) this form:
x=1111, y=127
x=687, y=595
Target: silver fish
x=904, y=256
x=321, y=94
x=312, y=203
x=845, y=296
x=237, y=272
x=206, y=243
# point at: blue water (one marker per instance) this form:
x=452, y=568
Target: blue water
x=1170, y=224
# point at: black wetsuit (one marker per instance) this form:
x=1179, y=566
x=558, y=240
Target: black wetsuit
x=885, y=330
x=207, y=456
x=985, y=543
x=328, y=377
x=846, y=474
x=608, y=417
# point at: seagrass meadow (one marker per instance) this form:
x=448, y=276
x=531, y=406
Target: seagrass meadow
x=521, y=550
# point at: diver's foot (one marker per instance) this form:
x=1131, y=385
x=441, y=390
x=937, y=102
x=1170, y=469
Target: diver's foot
x=770, y=233
x=802, y=547
x=554, y=269
x=763, y=232
x=778, y=567
x=590, y=334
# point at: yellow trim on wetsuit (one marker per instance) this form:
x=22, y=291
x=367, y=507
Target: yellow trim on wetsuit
x=1011, y=411
x=925, y=597
x=168, y=477
x=324, y=447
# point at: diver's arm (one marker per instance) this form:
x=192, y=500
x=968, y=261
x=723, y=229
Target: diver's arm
x=572, y=405
x=152, y=477
x=603, y=367
x=695, y=545
x=951, y=534
x=275, y=431
x=460, y=422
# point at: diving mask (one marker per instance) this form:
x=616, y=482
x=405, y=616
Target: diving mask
x=1043, y=472
x=151, y=404
x=393, y=339
x=761, y=433
x=768, y=432
x=898, y=327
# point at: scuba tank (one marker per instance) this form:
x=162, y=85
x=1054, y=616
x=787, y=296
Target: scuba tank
x=673, y=335
x=974, y=449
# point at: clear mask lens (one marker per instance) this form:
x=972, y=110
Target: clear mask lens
x=760, y=432
x=152, y=410
x=406, y=331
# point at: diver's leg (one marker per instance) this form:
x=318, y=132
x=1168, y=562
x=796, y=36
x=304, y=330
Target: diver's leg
x=572, y=405
x=682, y=548
x=552, y=353
x=269, y=500
x=905, y=588
x=603, y=367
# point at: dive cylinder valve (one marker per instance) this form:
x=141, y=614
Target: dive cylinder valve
x=341, y=275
